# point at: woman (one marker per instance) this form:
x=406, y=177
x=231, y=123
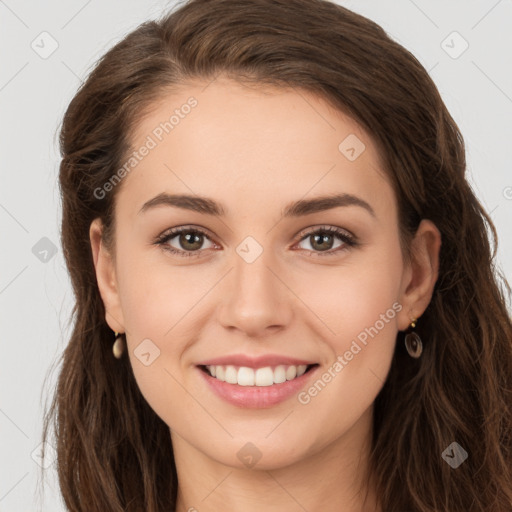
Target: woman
x=285, y=295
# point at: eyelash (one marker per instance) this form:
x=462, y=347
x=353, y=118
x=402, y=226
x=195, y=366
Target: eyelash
x=348, y=240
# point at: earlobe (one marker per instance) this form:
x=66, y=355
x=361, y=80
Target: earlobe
x=421, y=273
x=106, y=277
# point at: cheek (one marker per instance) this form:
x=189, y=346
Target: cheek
x=351, y=298
x=152, y=303
x=361, y=308
x=365, y=301
x=153, y=295
x=373, y=305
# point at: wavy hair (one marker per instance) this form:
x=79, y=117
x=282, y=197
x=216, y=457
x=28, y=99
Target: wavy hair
x=113, y=452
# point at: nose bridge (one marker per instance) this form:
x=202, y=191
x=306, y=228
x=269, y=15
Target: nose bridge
x=254, y=298
x=252, y=276
x=254, y=281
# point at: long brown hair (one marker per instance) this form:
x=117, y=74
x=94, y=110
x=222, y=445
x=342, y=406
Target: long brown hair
x=114, y=453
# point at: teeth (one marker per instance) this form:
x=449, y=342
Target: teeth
x=291, y=372
x=231, y=375
x=301, y=369
x=219, y=373
x=280, y=374
x=264, y=377
x=244, y=376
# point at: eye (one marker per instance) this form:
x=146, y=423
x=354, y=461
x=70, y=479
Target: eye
x=321, y=240
x=189, y=241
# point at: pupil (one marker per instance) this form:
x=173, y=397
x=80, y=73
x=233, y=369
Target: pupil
x=189, y=239
x=322, y=246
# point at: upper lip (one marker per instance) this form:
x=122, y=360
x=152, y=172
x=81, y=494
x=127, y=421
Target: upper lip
x=255, y=361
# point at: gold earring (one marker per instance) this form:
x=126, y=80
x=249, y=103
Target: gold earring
x=413, y=342
x=118, y=347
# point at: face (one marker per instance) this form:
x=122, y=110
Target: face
x=263, y=277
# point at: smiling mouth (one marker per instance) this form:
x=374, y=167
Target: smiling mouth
x=257, y=377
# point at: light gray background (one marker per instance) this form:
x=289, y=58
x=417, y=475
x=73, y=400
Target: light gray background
x=35, y=293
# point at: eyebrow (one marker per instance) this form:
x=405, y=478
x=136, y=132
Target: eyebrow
x=295, y=209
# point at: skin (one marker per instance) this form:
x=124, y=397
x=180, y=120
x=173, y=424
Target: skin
x=254, y=150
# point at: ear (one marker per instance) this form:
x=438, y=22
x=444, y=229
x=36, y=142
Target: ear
x=106, y=277
x=420, y=273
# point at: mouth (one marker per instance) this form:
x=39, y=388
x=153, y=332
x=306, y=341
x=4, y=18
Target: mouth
x=256, y=377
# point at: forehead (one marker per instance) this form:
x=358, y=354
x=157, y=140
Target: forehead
x=267, y=144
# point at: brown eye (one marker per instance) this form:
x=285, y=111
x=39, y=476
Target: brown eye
x=190, y=241
x=323, y=241
x=184, y=241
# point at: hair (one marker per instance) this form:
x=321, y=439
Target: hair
x=113, y=452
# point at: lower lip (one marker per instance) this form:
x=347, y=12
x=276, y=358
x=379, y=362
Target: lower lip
x=256, y=397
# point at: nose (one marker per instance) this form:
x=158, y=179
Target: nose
x=255, y=299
